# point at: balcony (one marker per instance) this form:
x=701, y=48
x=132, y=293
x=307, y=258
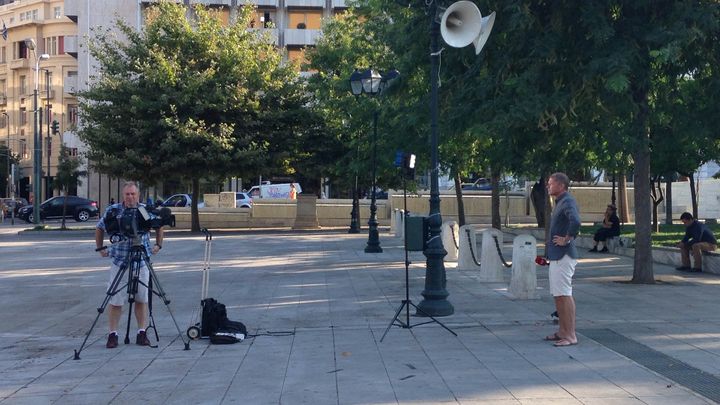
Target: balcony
x=301, y=37
x=339, y=4
x=70, y=85
x=3, y=99
x=267, y=3
x=305, y=3
x=214, y=2
x=71, y=45
x=274, y=33
x=72, y=9
x=23, y=63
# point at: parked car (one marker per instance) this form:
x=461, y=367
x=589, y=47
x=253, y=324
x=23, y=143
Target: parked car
x=8, y=204
x=81, y=209
x=243, y=200
x=180, y=200
x=479, y=184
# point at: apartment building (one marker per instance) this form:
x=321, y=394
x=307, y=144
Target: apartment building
x=31, y=30
x=294, y=24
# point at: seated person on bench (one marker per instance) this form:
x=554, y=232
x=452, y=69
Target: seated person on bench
x=610, y=229
x=698, y=238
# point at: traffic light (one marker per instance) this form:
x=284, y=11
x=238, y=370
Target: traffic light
x=55, y=126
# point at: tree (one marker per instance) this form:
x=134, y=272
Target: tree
x=68, y=175
x=187, y=97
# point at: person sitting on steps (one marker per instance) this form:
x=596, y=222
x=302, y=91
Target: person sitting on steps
x=698, y=238
x=610, y=229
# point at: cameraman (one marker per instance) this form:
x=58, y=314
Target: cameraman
x=118, y=251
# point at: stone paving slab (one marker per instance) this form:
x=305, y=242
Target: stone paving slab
x=319, y=306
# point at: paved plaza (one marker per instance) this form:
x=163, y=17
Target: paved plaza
x=319, y=305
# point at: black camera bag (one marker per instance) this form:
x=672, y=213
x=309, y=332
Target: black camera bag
x=215, y=321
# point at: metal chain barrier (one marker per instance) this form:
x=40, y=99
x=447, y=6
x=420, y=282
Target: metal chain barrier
x=502, y=259
x=452, y=231
x=472, y=251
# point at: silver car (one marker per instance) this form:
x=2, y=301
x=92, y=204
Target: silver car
x=243, y=200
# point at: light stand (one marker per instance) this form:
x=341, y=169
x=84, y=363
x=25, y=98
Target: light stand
x=409, y=172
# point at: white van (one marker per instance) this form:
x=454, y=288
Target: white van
x=280, y=190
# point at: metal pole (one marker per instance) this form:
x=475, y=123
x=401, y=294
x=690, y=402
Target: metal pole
x=48, y=188
x=373, y=244
x=7, y=123
x=37, y=151
x=435, y=295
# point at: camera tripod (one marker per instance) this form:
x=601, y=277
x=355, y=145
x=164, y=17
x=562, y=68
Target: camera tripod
x=407, y=302
x=133, y=265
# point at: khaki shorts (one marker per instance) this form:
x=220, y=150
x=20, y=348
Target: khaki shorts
x=121, y=297
x=560, y=275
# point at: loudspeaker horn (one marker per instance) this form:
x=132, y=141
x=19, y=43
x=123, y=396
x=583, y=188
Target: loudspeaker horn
x=486, y=26
x=461, y=24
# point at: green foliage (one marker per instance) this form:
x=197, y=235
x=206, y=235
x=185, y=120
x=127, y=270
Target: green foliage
x=68, y=170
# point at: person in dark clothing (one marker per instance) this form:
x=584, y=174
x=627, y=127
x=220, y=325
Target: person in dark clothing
x=610, y=229
x=698, y=238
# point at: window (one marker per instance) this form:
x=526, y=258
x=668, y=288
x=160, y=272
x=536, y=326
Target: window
x=23, y=148
x=20, y=50
x=310, y=19
x=263, y=19
x=3, y=55
x=3, y=87
x=23, y=116
x=72, y=114
x=23, y=85
x=72, y=151
x=51, y=45
x=57, y=12
x=35, y=14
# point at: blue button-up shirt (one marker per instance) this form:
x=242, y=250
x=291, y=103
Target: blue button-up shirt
x=565, y=220
x=119, y=250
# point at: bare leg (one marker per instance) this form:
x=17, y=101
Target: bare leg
x=141, y=314
x=566, y=312
x=114, y=314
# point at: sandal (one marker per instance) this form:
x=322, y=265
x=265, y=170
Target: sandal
x=564, y=342
x=553, y=338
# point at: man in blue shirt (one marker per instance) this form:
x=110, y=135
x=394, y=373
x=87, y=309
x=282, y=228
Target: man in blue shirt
x=562, y=254
x=118, y=251
x=698, y=238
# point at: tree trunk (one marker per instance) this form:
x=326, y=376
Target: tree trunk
x=538, y=197
x=194, y=214
x=623, y=209
x=693, y=195
x=643, y=263
x=459, y=199
x=495, y=200
x=668, y=201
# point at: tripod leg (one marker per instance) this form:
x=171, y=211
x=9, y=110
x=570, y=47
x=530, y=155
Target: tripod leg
x=151, y=319
x=433, y=318
x=133, y=280
x=161, y=293
x=113, y=289
x=395, y=318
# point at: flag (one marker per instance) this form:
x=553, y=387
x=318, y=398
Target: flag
x=4, y=31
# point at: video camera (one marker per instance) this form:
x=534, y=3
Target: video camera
x=137, y=221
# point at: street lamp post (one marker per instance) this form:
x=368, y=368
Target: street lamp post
x=7, y=125
x=37, y=142
x=48, y=107
x=372, y=83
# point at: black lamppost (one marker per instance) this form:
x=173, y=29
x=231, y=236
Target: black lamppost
x=372, y=83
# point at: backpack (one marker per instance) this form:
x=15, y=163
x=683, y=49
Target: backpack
x=217, y=326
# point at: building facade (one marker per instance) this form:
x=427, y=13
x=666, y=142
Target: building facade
x=294, y=24
x=32, y=29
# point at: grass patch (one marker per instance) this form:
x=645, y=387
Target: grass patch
x=669, y=235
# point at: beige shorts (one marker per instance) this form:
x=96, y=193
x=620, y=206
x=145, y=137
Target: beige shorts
x=560, y=275
x=122, y=297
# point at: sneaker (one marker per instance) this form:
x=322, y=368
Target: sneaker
x=594, y=249
x=142, y=339
x=112, y=341
x=604, y=250
x=683, y=268
x=695, y=270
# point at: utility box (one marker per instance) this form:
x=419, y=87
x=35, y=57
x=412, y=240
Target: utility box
x=416, y=233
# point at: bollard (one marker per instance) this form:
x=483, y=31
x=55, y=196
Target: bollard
x=393, y=221
x=449, y=234
x=523, y=284
x=491, y=269
x=467, y=248
x=399, y=222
